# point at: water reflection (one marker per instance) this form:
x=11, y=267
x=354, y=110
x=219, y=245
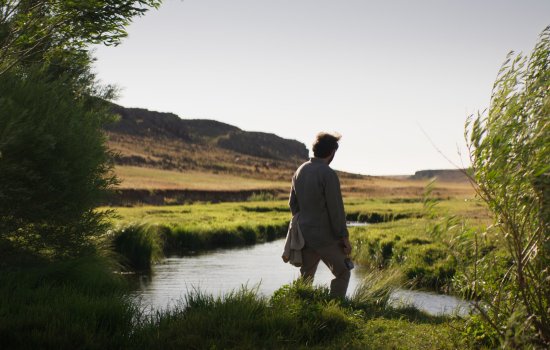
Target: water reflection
x=434, y=304
x=258, y=266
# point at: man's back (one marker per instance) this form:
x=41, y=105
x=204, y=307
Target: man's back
x=316, y=195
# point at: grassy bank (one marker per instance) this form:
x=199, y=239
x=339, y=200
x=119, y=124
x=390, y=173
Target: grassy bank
x=403, y=234
x=422, y=244
x=144, y=233
x=296, y=316
x=424, y=261
x=140, y=245
x=82, y=304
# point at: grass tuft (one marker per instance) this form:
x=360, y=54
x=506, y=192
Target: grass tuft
x=138, y=245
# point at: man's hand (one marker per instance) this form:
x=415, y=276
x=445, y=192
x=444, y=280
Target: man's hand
x=346, y=245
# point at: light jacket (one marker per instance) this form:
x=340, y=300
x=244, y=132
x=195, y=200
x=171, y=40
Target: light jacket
x=316, y=194
x=294, y=242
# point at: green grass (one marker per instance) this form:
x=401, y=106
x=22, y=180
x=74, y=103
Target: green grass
x=211, y=216
x=186, y=228
x=207, y=216
x=69, y=305
x=82, y=304
x=296, y=316
x=419, y=244
x=377, y=211
x=400, y=238
x=424, y=261
x=138, y=246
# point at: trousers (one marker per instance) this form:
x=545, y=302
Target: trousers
x=333, y=256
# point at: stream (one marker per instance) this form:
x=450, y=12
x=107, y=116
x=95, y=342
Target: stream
x=259, y=266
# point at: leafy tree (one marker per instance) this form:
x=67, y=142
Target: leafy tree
x=510, y=153
x=54, y=164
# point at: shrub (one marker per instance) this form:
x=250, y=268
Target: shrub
x=54, y=165
x=509, y=150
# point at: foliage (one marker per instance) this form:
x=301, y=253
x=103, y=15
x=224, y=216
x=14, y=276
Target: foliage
x=54, y=164
x=424, y=261
x=54, y=31
x=510, y=152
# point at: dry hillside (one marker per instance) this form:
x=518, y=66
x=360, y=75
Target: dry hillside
x=162, y=158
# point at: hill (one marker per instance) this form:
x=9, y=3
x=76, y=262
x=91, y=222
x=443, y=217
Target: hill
x=162, y=158
x=165, y=141
x=446, y=175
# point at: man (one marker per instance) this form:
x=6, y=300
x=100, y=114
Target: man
x=316, y=195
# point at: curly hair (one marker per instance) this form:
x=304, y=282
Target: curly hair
x=325, y=143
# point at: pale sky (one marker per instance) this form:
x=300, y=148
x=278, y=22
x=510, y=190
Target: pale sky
x=377, y=72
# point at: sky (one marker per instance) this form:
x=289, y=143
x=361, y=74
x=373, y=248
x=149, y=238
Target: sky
x=396, y=78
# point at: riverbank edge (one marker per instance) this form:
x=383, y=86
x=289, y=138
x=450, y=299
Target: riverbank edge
x=82, y=304
x=141, y=245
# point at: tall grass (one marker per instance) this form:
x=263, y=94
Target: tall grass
x=138, y=245
x=68, y=305
x=295, y=316
x=146, y=233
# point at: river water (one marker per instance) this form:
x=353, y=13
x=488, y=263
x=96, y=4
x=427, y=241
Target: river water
x=260, y=266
